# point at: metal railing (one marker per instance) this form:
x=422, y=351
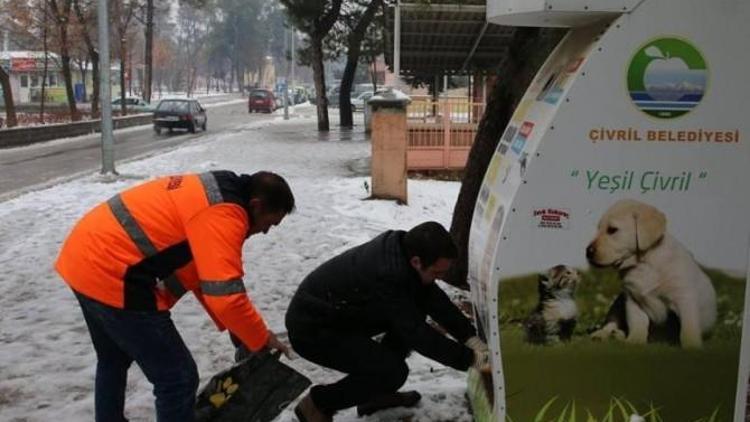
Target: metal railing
x=430, y=124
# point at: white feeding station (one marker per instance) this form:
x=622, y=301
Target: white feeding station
x=609, y=247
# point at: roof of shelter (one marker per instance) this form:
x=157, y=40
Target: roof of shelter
x=446, y=37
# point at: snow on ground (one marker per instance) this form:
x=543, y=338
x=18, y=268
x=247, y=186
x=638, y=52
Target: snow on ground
x=47, y=362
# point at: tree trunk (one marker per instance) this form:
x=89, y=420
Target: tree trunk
x=374, y=72
x=42, y=100
x=149, y=56
x=94, y=56
x=193, y=79
x=10, y=108
x=321, y=28
x=237, y=77
x=45, y=47
x=130, y=74
x=345, y=93
x=68, y=76
x=320, y=83
x=527, y=51
x=62, y=20
x=231, y=76
x=354, y=42
x=123, y=105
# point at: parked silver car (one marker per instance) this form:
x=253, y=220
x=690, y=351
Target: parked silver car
x=359, y=103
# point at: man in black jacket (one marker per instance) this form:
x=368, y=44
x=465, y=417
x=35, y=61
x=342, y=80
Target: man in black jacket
x=383, y=286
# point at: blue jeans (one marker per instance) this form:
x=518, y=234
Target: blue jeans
x=151, y=340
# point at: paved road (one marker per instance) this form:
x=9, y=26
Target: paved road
x=26, y=168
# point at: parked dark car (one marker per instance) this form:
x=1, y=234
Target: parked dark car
x=183, y=113
x=261, y=100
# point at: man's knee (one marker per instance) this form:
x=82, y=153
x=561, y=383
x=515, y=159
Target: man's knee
x=394, y=376
x=396, y=345
x=181, y=380
x=191, y=377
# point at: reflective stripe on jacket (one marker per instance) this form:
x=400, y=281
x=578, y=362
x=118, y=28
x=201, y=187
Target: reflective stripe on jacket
x=146, y=247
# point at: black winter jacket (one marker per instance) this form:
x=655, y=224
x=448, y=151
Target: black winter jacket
x=371, y=289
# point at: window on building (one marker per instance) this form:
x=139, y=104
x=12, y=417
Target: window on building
x=52, y=80
x=34, y=81
x=24, y=81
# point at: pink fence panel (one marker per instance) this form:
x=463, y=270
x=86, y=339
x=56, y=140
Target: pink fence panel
x=430, y=124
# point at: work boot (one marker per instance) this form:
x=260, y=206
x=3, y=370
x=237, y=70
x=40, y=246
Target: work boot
x=387, y=401
x=307, y=411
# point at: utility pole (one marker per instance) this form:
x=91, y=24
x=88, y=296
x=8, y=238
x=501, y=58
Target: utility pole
x=294, y=35
x=397, y=43
x=149, y=59
x=105, y=90
x=286, y=82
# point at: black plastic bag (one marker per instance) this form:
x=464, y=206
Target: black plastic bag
x=256, y=389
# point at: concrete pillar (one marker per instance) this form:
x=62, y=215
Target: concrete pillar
x=388, y=168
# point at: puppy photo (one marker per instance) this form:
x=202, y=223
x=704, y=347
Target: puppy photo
x=555, y=316
x=662, y=285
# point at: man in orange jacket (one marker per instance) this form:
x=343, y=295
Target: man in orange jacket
x=131, y=258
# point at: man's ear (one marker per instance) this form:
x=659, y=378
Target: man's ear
x=256, y=204
x=416, y=262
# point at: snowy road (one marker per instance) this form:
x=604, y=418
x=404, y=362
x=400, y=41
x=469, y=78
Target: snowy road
x=46, y=359
x=39, y=164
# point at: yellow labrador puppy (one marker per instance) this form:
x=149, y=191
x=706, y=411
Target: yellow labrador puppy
x=659, y=275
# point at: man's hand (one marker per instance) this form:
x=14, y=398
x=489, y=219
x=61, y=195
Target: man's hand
x=275, y=344
x=481, y=354
x=482, y=361
x=476, y=344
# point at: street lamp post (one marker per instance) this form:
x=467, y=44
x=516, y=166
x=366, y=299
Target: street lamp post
x=105, y=90
x=397, y=41
x=285, y=92
x=294, y=92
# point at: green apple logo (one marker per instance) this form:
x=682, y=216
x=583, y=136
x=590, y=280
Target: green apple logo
x=667, y=78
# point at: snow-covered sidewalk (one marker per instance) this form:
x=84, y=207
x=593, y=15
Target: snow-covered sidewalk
x=47, y=362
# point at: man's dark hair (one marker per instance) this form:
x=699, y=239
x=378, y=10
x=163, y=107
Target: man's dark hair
x=271, y=188
x=430, y=242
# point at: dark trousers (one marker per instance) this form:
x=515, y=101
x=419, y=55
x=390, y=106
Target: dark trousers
x=150, y=339
x=373, y=368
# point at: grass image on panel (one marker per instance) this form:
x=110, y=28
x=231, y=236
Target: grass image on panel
x=684, y=385
x=619, y=410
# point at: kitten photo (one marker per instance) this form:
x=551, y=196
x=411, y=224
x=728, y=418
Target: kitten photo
x=554, y=318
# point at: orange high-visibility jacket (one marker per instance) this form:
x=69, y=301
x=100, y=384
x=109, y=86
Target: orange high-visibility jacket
x=146, y=247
